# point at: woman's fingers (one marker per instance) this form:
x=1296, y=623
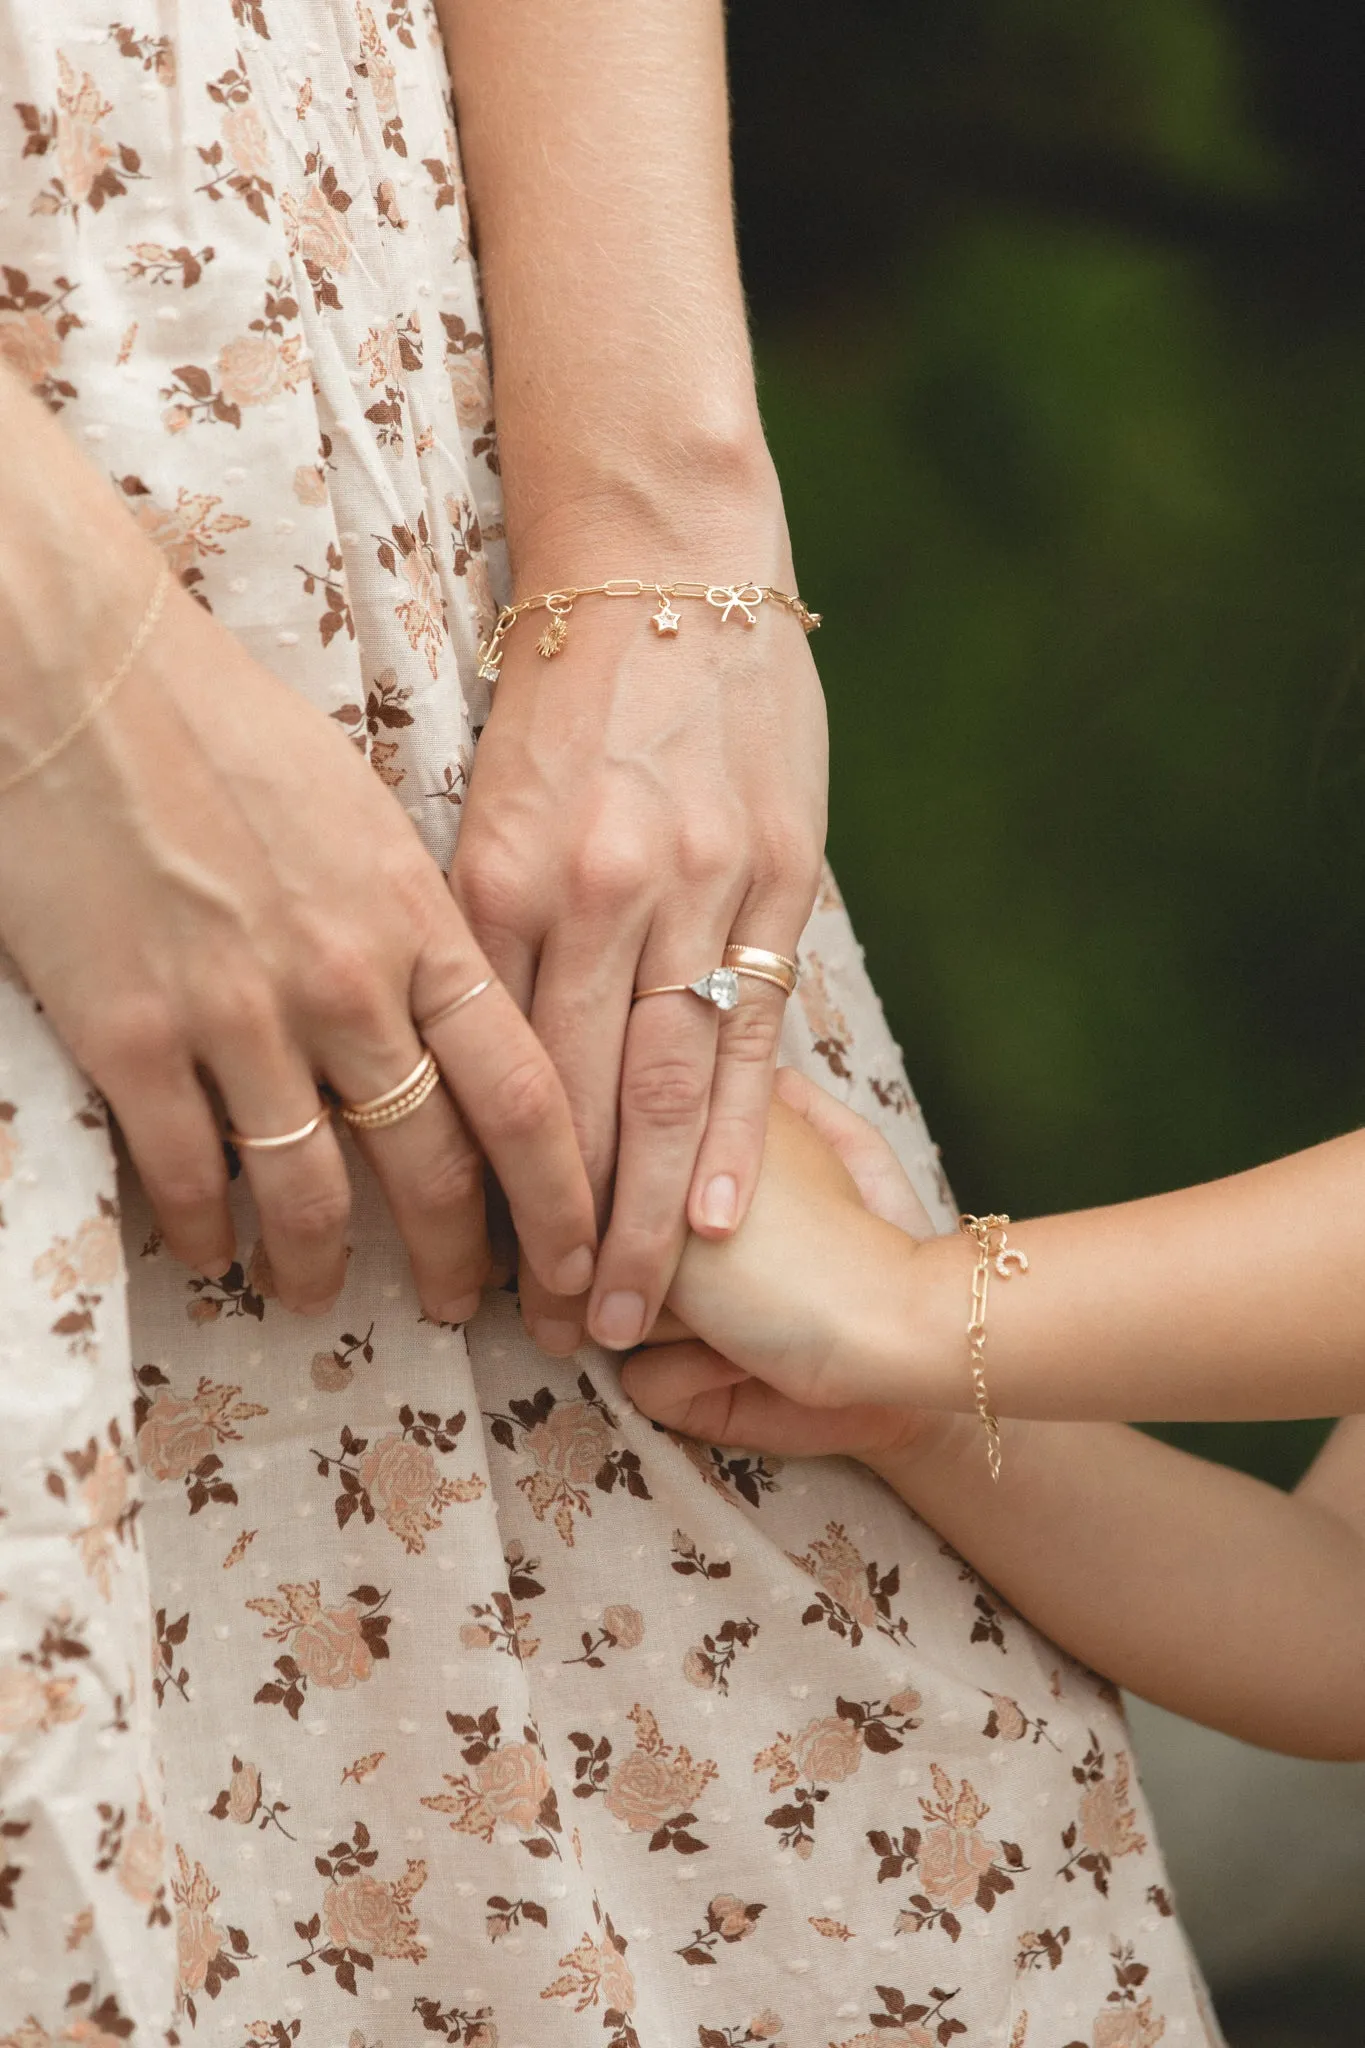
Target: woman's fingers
x=173, y=1140
x=512, y=1098
x=580, y=1012
x=666, y=1077
x=727, y=1168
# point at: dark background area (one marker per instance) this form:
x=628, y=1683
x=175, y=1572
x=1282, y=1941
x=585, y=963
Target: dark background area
x=1060, y=313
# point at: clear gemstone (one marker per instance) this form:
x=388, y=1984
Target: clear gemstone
x=721, y=987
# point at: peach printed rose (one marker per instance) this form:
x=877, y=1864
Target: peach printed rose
x=382, y=351
x=142, y=1860
x=321, y=233
x=365, y=1913
x=698, y=1669
x=30, y=1703
x=330, y=1650
x=244, y=1794
x=402, y=1480
x=512, y=1782
x=952, y=1862
x=905, y=1703
x=419, y=573
x=251, y=369
x=310, y=484
x=765, y=2026
x=828, y=1750
x=1132, y=2026
x=892, y=2037
x=1107, y=1821
x=618, y=1984
x=838, y=1565
x=471, y=386
x=89, y=2033
x=9, y=1144
x=97, y=1252
x=730, y=1917
x=625, y=1626
x=1010, y=1721
x=198, y=1937
x=82, y=152
x=573, y=1442
x=174, y=1436
x=105, y=1491
x=246, y=141
x=651, y=1785
x=30, y=344
x=378, y=69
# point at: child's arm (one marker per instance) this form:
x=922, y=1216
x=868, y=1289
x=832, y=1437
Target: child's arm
x=1241, y=1298
x=1210, y=1593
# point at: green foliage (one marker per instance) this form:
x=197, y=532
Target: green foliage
x=1085, y=511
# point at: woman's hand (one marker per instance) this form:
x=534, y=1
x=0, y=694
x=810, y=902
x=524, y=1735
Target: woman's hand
x=211, y=886
x=777, y=1292
x=637, y=802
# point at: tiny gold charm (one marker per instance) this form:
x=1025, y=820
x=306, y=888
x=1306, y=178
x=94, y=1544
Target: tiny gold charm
x=665, y=620
x=553, y=638
x=744, y=598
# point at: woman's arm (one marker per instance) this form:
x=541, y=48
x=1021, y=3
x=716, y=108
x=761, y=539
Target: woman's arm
x=639, y=800
x=1207, y=1592
x=209, y=881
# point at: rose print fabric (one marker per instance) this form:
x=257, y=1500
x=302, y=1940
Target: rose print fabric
x=370, y=1681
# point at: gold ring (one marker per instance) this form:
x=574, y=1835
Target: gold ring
x=397, y=1102
x=761, y=965
x=459, y=1003
x=285, y=1139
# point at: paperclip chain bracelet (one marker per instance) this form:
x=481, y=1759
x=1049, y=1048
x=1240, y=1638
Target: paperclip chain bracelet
x=731, y=600
x=99, y=697
x=988, y=1234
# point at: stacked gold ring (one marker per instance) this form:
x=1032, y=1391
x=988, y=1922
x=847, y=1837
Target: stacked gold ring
x=760, y=965
x=397, y=1102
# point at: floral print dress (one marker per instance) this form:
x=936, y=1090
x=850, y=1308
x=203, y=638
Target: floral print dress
x=379, y=1682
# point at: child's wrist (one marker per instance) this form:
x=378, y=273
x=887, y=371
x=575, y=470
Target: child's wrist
x=907, y=1334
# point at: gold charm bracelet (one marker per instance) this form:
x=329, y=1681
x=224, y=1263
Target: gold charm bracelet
x=988, y=1234
x=731, y=600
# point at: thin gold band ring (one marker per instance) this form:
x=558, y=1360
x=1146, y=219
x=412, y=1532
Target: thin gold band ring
x=458, y=1004
x=285, y=1139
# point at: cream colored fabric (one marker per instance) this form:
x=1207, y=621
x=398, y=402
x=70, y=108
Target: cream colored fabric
x=418, y=1686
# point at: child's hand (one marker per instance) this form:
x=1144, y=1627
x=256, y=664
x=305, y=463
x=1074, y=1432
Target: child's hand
x=778, y=1296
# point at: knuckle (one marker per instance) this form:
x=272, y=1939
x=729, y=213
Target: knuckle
x=186, y=1193
x=608, y=870
x=452, y=1182
x=240, y=1010
x=493, y=887
x=787, y=859
x=341, y=980
x=136, y=1032
x=316, y=1216
x=752, y=1032
x=704, y=852
x=669, y=1093
x=523, y=1099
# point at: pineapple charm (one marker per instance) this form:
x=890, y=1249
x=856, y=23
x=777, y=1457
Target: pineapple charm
x=557, y=630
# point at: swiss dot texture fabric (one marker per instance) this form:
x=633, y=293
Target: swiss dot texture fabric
x=365, y=1682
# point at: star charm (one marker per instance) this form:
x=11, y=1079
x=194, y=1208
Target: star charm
x=665, y=620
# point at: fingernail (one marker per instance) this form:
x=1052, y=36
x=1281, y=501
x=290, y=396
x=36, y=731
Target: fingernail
x=574, y=1274
x=719, y=1202
x=459, y=1311
x=559, y=1339
x=620, y=1320
x=316, y=1308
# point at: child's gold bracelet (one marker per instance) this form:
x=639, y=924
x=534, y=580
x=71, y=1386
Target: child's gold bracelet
x=992, y=1249
x=731, y=600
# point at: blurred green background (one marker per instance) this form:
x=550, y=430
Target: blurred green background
x=1060, y=313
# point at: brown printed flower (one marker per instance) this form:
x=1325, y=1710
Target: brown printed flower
x=573, y=1442
x=1131, y=2026
x=366, y=1914
x=401, y=1479
x=246, y=141
x=82, y=152
x=828, y=1750
x=141, y=1863
x=174, y=1436
x=512, y=1783
x=1107, y=1821
x=198, y=1937
x=625, y=1626
x=470, y=387
x=952, y=1862
x=323, y=236
x=647, y=1789
x=244, y=1794
x=729, y=1916
x=698, y=1669
x=1010, y=1722
x=330, y=1650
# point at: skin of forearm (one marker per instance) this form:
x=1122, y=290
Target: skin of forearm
x=75, y=574
x=1237, y=1299
x=596, y=150
x=1202, y=1590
